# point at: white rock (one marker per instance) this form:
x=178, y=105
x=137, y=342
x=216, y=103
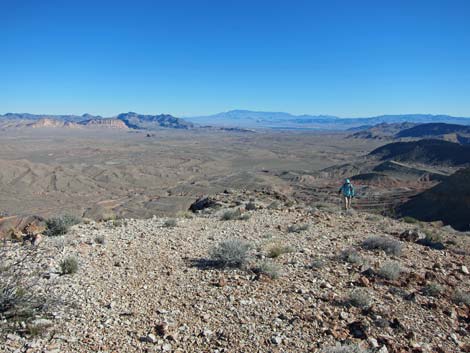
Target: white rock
x=464, y=270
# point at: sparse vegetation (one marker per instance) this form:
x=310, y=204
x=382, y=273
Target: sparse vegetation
x=250, y=206
x=390, y=270
x=100, y=239
x=60, y=225
x=69, y=265
x=352, y=256
x=236, y=214
x=345, y=349
x=230, y=253
x=277, y=250
x=432, y=290
x=360, y=298
x=433, y=236
x=461, y=297
x=275, y=205
x=185, y=214
x=19, y=301
x=170, y=223
x=390, y=246
x=297, y=228
x=317, y=263
x=268, y=268
x=410, y=220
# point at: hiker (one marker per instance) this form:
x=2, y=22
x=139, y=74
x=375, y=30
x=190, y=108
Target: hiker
x=347, y=189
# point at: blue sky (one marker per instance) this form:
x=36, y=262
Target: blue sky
x=346, y=58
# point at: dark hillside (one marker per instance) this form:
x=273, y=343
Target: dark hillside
x=425, y=151
x=433, y=129
x=448, y=201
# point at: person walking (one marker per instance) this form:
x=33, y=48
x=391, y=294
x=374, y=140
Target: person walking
x=347, y=189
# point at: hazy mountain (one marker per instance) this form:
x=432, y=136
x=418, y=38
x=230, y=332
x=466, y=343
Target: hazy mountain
x=252, y=119
x=125, y=120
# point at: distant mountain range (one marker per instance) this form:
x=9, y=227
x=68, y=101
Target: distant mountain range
x=122, y=121
x=281, y=120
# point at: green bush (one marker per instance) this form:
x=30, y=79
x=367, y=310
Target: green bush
x=60, y=225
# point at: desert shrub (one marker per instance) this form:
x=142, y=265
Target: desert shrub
x=390, y=246
x=461, y=297
x=277, y=250
x=297, y=228
x=352, y=256
x=410, y=220
x=60, y=225
x=116, y=223
x=185, y=214
x=390, y=270
x=360, y=298
x=353, y=348
x=100, y=239
x=433, y=236
x=170, y=223
x=19, y=299
x=230, y=253
x=317, y=263
x=69, y=265
x=268, y=268
x=432, y=290
x=230, y=215
x=275, y=205
x=244, y=217
x=250, y=206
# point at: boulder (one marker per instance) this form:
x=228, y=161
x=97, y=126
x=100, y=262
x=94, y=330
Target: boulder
x=203, y=203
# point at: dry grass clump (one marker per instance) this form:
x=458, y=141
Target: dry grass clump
x=230, y=253
x=275, y=205
x=60, y=225
x=360, y=298
x=390, y=246
x=277, y=250
x=410, y=220
x=390, y=270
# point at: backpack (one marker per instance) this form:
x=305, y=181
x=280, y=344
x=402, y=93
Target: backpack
x=348, y=190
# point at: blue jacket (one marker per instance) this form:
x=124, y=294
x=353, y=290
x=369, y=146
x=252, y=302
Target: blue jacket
x=347, y=190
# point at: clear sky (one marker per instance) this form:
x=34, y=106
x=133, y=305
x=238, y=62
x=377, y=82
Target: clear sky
x=345, y=58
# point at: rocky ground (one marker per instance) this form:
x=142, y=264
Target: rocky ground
x=149, y=285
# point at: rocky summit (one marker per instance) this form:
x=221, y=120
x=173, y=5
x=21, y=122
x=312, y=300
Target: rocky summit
x=246, y=274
